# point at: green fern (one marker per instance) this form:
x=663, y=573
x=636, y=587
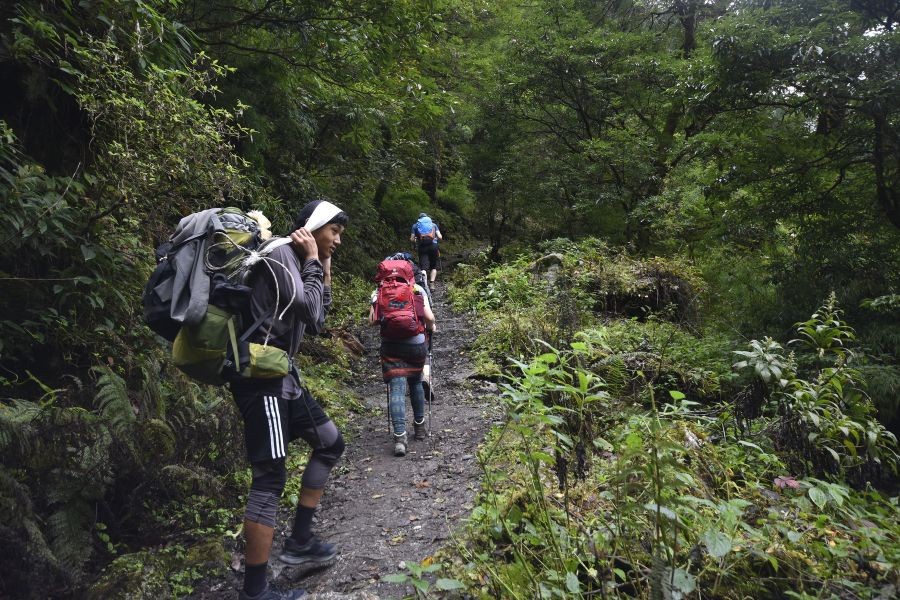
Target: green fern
x=615, y=373
x=188, y=481
x=68, y=529
x=153, y=403
x=158, y=439
x=191, y=409
x=112, y=401
x=17, y=431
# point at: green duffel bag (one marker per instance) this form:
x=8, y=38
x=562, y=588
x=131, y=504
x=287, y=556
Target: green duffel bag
x=266, y=362
x=206, y=351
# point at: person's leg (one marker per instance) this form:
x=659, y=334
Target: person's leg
x=264, y=432
x=417, y=397
x=321, y=460
x=425, y=258
x=269, y=478
x=310, y=423
x=432, y=257
x=397, y=404
x=397, y=410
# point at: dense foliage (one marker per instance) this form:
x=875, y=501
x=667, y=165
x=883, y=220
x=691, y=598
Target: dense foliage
x=645, y=457
x=721, y=167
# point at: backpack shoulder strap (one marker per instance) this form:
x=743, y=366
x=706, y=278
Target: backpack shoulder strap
x=269, y=245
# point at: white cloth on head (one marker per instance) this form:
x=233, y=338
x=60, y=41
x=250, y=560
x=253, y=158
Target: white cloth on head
x=324, y=212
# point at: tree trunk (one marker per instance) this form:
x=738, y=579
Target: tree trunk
x=882, y=155
x=385, y=166
x=431, y=180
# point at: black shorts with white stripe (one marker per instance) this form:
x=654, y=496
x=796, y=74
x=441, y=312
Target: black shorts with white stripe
x=271, y=421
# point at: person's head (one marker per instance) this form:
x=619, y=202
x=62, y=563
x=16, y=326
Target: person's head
x=326, y=222
x=422, y=215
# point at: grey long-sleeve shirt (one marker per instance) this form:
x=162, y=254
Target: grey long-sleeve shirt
x=307, y=299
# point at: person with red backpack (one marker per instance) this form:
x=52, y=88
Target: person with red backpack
x=427, y=234
x=402, y=310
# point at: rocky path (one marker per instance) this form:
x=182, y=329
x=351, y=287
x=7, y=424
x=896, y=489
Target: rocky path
x=381, y=510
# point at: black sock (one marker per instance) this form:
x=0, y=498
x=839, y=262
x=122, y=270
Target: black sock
x=255, y=578
x=303, y=524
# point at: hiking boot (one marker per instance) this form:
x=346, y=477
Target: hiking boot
x=313, y=551
x=400, y=444
x=420, y=432
x=272, y=594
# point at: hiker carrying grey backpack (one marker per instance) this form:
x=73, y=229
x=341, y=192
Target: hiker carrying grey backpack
x=278, y=410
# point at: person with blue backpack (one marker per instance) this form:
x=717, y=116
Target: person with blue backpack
x=426, y=234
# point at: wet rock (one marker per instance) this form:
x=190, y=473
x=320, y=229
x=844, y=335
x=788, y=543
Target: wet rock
x=547, y=268
x=145, y=574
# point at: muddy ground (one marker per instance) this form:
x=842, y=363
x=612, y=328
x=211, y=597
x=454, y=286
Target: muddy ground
x=381, y=510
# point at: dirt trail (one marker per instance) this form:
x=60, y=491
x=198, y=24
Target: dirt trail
x=379, y=509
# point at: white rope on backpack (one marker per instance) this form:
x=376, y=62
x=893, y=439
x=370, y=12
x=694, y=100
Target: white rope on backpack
x=226, y=243
x=276, y=316
x=248, y=260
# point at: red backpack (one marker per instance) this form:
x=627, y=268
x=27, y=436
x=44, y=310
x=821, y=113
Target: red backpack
x=395, y=308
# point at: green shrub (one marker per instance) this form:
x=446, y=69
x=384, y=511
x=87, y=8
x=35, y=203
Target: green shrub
x=456, y=195
x=401, y=207
x=817, y=399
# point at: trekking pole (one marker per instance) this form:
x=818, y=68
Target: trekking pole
x=431, y=387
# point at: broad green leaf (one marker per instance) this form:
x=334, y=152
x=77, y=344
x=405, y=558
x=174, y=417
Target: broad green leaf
x=543, y=457
x=750, y=445
x=683, y=581
x=448, y=584
x=818, y=497
x=717, y=543
x=572, y=583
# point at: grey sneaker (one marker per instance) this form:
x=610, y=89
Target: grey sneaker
x=270, y=594
x=313, y=551
x=419, y=428
x=400, y=444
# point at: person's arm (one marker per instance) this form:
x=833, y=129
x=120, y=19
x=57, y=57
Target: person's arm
x=300, y=286
x=373, y=317
x=427, y=313
x=326, y=283
x=430, y=324
x=439, y=236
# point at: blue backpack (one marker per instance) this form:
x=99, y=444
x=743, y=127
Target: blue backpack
x=426, y=230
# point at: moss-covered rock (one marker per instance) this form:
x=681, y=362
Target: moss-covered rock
x=159, y=573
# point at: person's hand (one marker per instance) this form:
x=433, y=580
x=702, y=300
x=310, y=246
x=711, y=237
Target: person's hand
x=305, y=243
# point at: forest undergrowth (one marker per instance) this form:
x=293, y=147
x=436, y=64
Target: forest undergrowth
x=648, y=456
x=691, y=383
